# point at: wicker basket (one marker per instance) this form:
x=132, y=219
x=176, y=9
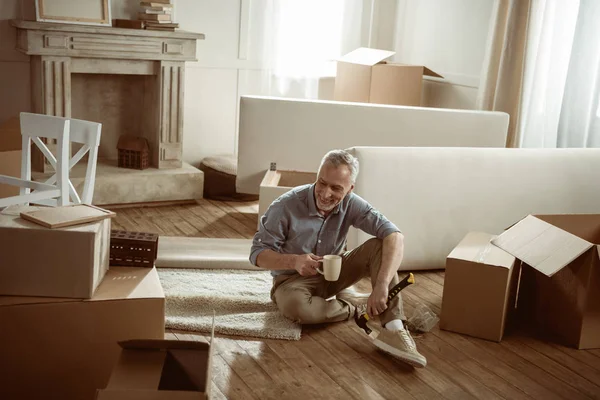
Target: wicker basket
x=133, y=152
x=133, y=249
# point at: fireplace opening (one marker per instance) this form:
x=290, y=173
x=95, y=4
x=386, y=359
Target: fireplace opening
x=124, y=104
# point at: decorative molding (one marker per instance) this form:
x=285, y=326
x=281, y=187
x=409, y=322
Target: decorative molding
x=56, y=87
x=117, y=32
x=172, y=77
x=104, y=42
x=55, y=41
x=105, y=66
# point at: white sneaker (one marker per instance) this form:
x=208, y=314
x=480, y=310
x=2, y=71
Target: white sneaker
x=401, y=345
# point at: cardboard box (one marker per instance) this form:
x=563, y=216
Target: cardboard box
x=364, y=76
x=62, y=262
x=480, y=288
x=560, y=286
x=65, y=348
x=278, y=182
x=161, y=369
x=10, y=155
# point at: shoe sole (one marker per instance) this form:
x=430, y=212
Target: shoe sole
x=403, y=356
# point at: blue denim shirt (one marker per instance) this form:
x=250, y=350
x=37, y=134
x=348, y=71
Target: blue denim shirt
x=293, y=225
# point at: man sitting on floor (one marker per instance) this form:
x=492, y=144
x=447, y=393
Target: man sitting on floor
x=311, y=221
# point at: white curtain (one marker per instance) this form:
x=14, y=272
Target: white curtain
x=302, y=40
x=502, y=75
x=560, y=102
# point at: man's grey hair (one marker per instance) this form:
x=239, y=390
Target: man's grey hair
x=342, y=157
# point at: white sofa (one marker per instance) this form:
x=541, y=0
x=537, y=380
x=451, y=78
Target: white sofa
x=437, y=195
x=295, y=134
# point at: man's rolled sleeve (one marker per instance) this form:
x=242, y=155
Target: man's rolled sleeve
x=371, y=221
x=271, y=232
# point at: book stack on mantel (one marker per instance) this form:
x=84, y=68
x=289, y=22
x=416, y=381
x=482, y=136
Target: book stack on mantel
x=157, y=15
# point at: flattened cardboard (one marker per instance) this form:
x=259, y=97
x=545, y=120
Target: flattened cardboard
x=560, y=281
x=479, y=288
x=364, y=76
x=156, y=369
x=366, y=56
x=545, y=247
x=64, y=262
x=61, y=217
x=66, y=348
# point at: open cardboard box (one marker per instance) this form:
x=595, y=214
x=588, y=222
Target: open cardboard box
x=364, y=76
x=161, y=369
x=560, y=282
x=278, y=182
x=558, y=286
x=10, y=155
x=53, y=348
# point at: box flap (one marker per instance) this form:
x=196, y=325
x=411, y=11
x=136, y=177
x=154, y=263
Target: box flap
x=129, y=283
x=543, y=246
x=137, y=370
x=477, y=247
x=366, y=56
x=428, y=72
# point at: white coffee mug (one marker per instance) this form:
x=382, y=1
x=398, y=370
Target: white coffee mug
x=332, y=265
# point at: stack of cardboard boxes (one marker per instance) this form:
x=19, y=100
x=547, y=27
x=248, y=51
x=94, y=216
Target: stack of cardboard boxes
x=63, y=310
x=545, y=270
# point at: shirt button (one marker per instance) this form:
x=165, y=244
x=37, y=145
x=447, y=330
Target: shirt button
x=260, y=240
x=319, y=240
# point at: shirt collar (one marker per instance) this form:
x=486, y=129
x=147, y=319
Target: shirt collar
x=313, y=211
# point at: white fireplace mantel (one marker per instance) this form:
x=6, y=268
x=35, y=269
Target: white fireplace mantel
x=59, y=50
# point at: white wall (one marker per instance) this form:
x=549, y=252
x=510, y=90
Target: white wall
x=449, y=37
x=445, y=35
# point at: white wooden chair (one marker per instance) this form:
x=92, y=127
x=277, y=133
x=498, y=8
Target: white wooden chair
x=34, y=127
x=87, y=134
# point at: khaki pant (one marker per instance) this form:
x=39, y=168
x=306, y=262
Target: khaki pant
x=302, y=298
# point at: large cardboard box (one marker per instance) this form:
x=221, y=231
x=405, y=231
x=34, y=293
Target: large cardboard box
x=64, y=348
x=278, y=182
x=480, y=288
x=62, y=262
x=365, y=76
x=10, y=155
x=560, y=283
x=161, y=369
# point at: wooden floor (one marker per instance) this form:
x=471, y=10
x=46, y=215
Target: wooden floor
x=338, y=362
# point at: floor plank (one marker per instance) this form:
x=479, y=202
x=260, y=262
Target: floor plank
x=338, y=361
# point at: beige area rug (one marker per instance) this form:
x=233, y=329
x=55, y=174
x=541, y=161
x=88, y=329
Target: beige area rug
x=240, y=299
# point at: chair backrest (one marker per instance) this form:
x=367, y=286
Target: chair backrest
x=87, y=133
x=35, y=127
x=82, y=132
